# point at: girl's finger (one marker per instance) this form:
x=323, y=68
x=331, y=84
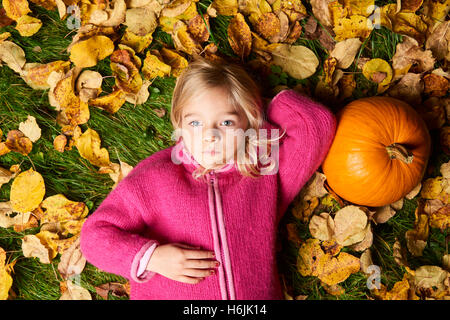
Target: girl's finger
x=198, y=272
x=199, y=254
x=201, y=264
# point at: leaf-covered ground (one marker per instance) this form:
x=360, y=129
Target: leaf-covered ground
x=135, y=132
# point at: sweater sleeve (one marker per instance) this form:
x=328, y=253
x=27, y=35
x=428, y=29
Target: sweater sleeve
x=112, y=236
x=310, y=129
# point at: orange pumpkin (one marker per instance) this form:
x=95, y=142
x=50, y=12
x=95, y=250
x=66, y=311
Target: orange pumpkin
x=379, y=153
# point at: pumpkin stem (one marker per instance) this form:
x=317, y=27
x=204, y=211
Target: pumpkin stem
x=398, y=151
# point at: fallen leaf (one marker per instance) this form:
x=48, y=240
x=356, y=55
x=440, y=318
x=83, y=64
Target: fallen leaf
x=350, y=223
x=86, y=53
x=72, y=261
x=27, y=191
x=27, y=26
x=71, y=291
x=239, y=36
x=88, y=145
x=5, y=276
x=298, y=61
x=30, y=128
x=345, y=52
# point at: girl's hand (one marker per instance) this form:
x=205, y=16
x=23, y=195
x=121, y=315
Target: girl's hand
x=182, y=262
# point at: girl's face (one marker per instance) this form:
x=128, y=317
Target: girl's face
x=210, y=128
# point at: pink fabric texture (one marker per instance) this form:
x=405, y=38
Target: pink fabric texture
x=159, y=202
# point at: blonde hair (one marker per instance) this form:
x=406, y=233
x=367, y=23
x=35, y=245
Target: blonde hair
x=243, y=95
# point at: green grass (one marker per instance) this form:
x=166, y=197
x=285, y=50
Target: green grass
x=136, y=132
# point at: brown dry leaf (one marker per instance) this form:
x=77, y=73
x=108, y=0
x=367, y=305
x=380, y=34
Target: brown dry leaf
x=414, y=192
x=350, y=225
x=198, y=27
x=183, y=40
x=125, y=67
x=118, y=289
x=345, y=52
x=408, y=54
x=409, y=89
x=5, y=176
x=27, y=26
x=239, y=36
x=399, y=254
x=416, y=239
x=383, y=214
x=297, y=61
x=110, y=102
x=322, y=226
x=366, y=242
x=30, y=128
x=432, y=112
x=88, y=85
x=27, y=191
x=303, y=209
x=12, y=55
x=109, y=17
x=16, y=8
x=435, y=85
x=335, y=290
x=338, y=269
x=314, y=187
x=439, y=41
x=6, y=221
x=86, y=53
x=320, y=9
x=366, y=261
x=427, y=277
x=37, y=74
x=347, y=85
x=294, y=9
x=71, y=291
x=33, y=246
x=5, y=275
x=88, y=145
x=143, y=20
x=72, y=261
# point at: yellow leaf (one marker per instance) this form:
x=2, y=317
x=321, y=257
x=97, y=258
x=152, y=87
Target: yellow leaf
x=138, y=43
x=239, y=36
x=30, y=128
x=224, y=7
x=5, y=277
x=431, y=188
x=176, y=61
x=88, y=145
x=298, y=61
x=36, y=74
x=110, y=102
x=338, y=269
x=87, y=53
x=27, y=26
x=16, y=8
x=379, y=71
x=354, y=27
x=27, y=191
x=154, y=67
x=183, y=40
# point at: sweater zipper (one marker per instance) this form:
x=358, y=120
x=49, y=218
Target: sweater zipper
x=226, y=268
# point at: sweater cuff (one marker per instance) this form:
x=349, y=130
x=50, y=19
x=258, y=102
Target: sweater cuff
x=140, y=262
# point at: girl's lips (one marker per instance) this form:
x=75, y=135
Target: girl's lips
x=212, y=152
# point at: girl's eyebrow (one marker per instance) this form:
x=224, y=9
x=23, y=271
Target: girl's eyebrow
x=232, y=113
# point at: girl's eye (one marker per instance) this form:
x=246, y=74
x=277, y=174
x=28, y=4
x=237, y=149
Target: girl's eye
x=231, y=123
x=193, y=122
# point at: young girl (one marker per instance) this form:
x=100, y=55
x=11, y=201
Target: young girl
x=198, y=220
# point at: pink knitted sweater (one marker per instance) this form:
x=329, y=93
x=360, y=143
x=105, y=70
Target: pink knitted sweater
x=160, y=202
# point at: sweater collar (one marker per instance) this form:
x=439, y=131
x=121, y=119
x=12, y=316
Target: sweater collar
x=184, y=157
